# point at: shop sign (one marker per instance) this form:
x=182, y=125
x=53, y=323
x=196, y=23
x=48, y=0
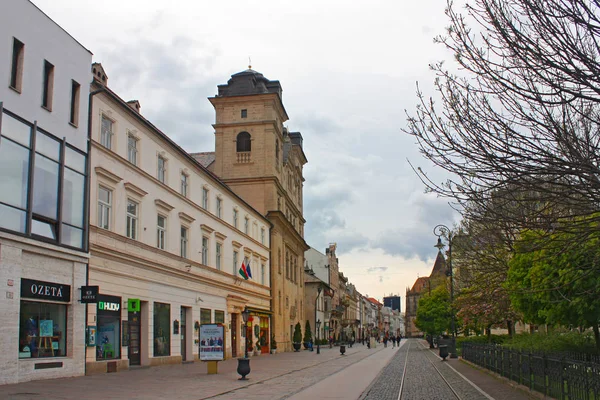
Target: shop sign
x=89, y=294
x=109, y=303
x=33, y=289
x=133, y=305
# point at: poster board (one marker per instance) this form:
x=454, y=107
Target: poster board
x=46, y=328
x=212, y=342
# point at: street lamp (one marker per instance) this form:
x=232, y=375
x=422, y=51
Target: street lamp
x=318, y=323
x=319, y=290
x=244, y=363
x=439, y=231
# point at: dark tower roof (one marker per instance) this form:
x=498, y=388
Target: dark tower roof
x=249, y=82
x=439, y=267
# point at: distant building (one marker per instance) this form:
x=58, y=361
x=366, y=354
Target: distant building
x=393, y=302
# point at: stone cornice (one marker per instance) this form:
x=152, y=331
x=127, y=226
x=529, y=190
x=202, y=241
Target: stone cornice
x=134, y=189
x=163, y=205
x=187, y=218
x=108, y=175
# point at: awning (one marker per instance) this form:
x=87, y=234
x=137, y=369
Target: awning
x=260, y=312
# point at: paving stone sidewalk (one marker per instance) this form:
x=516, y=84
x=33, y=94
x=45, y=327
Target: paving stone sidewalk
x=190, y=381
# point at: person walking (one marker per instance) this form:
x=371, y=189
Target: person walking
x=385, y=340
x=393, y=341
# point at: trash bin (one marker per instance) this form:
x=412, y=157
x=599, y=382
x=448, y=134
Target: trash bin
x=443, y=351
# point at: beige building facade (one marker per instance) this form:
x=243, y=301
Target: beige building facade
x=167, y=241
x=262, y=162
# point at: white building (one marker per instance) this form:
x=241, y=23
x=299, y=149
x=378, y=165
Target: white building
x=167, y=241
x=43, y=195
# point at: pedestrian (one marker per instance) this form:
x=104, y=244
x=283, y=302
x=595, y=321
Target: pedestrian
x=385, y=340
x=398, y=339
x=393, y=341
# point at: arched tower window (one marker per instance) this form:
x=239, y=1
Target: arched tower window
x=243, y=142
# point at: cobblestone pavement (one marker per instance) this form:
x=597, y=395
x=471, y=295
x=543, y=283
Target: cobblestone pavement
x=427, y=377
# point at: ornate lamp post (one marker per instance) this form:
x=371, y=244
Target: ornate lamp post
x=318, y=323
x=244, y=363
x=439, y=231
x=319, y=290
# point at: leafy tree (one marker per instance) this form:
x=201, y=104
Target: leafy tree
x=520, y=125
x=297, y=333
x=555, y=284
x=434, y=312
x=307, y=333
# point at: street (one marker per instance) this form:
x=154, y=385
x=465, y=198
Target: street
x=375, y=374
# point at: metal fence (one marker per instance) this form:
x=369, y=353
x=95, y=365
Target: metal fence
x=562, y=375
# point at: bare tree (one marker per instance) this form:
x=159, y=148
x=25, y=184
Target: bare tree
x=519, y=129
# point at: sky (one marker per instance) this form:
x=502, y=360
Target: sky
x=349, y=72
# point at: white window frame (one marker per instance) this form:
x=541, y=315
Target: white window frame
x=262, y=273
x=235, y=218
x=219, y=207
x=184, y=240
x=205, y=244
x=219, y=255
x=104, y=209
x=106, y=135
x=161, y=232
x=205, y=193
x=132, y=151
x=185, y=184
x=131, y=222
x=262, y=235
x=246, y=225
x=235, y=261
x=161, y=173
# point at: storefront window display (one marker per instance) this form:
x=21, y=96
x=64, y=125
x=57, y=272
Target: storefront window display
x=108, y=333
x=162, y=329
x=43, y=330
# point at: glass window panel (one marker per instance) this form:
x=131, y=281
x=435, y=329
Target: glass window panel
x=73, y=198
x=42, y=228
x=43, y=330
x=75, y=160
x=11, y=218
x=104, y=195
x=108, y=337
x=219, y=317
x=162, y=329
x=71, y=236
x=16, y=130
x=45, y=188
x=47, y=146
x=204, y=316
x=14, y=164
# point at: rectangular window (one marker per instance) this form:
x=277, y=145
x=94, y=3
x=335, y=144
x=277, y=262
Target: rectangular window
x=184, y=185
x=244, y=113
x=132, y=150
x=246, y=225
x=48, y=85
x=16, y=74
x=106, y=132
x=262, y=274
x=74, y=115
x=205, y=198
x=205, y=316
x=132, y=219
x=161, y=232
x=162, y=330
x=219, y=250
x=204, y=250
x=42, y=330
x=108, y=332
x=184, y=241
x=235, y=218
x=235, y=262
x=162, y=169
x=262, y=235
x=219, y=207
x=104, y=207
x=219, y=317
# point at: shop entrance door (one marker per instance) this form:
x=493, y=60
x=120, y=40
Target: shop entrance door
x=182, y=331
x=135, y=338
x=234, y=335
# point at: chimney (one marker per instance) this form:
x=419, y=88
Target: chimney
x=135, y=105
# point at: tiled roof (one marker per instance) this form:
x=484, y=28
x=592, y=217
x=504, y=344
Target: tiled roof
x=206, y=158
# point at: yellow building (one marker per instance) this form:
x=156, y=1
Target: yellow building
x=261, y=161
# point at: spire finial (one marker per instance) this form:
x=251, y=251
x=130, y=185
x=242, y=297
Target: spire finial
x=249, y=63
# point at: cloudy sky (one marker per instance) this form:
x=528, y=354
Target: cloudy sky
x=348, y=70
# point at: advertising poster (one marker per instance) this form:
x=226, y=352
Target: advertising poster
x=212, y=345
x=46, y=328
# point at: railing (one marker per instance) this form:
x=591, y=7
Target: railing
x=243, y=157
x=572, y=376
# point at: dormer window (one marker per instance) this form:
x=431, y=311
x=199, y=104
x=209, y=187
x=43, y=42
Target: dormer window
x=243, y=142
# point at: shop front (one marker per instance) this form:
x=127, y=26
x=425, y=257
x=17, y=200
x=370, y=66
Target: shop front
x=108, y=330
x=258, y=331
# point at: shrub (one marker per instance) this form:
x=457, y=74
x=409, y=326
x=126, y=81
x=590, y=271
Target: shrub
x=307, y=332
x=297, y=333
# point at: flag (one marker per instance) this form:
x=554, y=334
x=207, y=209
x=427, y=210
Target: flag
x=248, y=270
x=243, y=272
